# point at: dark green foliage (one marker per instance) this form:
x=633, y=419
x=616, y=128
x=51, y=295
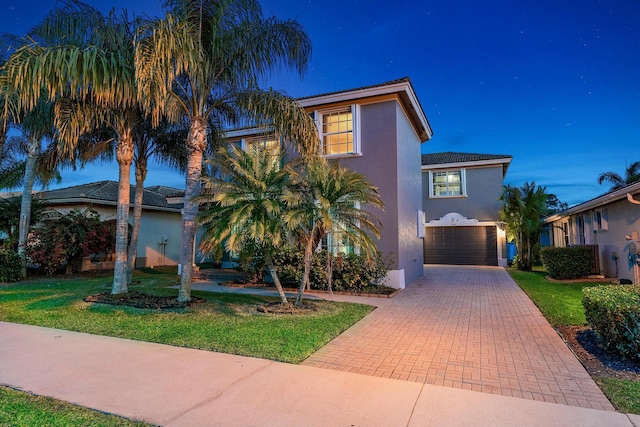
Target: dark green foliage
x=522, y=212
x=10, y=219
x=613, y=311
x=351, y=273
x=567, y=263
x=10, y=266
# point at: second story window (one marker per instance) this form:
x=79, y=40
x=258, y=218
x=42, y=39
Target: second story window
x=449, y=183
x=338, y=130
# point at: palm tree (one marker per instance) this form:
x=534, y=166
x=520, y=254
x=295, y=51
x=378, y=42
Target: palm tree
x=522, y=211
x=87, y=68
x=632, y=174
x=164, y=144
x=328, y=198
x=203, y=61
x=246, y=204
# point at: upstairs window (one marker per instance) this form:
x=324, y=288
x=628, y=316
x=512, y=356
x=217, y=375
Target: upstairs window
x=338, y=129
x=449, y=183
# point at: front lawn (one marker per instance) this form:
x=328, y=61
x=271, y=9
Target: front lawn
x=227, y=323
x=561, y=304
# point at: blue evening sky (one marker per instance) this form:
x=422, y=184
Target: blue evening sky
x=555, y=83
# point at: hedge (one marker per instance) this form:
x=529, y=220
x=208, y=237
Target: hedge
x=572, y=262
x=10, y=266
x=613, y=311
x=350, y=272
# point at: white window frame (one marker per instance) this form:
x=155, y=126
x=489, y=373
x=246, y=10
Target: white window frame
x=463, y=184
x=355, y=126
x=601, y=219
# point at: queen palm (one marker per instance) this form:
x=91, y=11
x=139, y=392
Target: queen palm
x=88, y=61
x=328, y=198
x=204, y=60
x=163, y=144
x=632, y=174
x=246, y=204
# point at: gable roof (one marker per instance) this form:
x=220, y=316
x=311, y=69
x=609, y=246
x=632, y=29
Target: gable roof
x=449, y=159
x=402, y=87
x=106, y=193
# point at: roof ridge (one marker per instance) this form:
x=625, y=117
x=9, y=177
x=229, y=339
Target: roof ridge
x=388, y=83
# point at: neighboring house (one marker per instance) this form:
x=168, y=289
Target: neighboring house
x=377, y=131
x=461, y=204
x=610, y=221
x=160, y=224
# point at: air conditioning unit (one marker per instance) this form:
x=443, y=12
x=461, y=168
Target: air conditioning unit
x=634, y=247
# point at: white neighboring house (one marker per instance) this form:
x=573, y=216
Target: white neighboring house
x=610, y=221
x=160, y=225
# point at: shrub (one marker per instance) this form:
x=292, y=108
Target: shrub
x=10, y=266
x=351, y=273
x=567, y=263
x=63, y=239
x=613, y=311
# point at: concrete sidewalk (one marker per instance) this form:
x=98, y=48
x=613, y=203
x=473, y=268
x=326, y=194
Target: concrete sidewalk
x=174, y=386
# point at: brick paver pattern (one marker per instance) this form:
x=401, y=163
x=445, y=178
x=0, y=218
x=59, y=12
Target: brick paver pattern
x=465, y=327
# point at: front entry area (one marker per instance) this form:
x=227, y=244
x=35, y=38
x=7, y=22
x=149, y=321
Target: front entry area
x=461, y=245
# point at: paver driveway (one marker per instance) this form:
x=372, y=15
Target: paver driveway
x=465, y=327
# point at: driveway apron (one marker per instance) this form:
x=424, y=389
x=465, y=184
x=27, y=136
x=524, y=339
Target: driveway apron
x=465, y=327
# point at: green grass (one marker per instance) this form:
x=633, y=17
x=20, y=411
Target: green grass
x=624, y=394
x=26, y=410
x=226, y=323
x=561, y=304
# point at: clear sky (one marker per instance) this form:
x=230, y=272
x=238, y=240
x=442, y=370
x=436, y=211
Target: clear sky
x=555, y=83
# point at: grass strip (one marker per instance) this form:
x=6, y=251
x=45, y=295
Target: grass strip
x=21, y=409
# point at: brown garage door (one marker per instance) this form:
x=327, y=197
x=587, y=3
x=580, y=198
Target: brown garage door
x=461, y=245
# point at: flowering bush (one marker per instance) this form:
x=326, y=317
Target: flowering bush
x=64, y=239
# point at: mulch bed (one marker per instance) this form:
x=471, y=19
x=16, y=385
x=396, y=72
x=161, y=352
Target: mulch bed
x=598, y=362
x=142, y=300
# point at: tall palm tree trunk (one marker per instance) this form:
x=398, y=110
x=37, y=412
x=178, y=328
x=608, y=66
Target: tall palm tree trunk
x=124, y=156
x=196, y=143
x=276, y=281
x=27, y=196
x=141, y=175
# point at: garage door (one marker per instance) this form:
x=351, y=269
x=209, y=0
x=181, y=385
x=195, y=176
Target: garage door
x=461, y=245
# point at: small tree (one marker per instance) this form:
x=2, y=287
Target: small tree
x=246, y=204
x=327, y=198
x=522, y=211
x=63, y=239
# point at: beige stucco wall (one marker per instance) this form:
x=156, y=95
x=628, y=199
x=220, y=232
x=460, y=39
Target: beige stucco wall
x=154, y=225
x=623, y=219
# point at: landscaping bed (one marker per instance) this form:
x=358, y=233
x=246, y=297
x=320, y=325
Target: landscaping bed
x=598, y=362
x=369, y=291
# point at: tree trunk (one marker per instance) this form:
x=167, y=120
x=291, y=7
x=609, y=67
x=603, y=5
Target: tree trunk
x=141, y=175
x=276, y=281
x=25, y=207
x=329, y=271
x=196, y=144
x=124, y=155
x=308, y=258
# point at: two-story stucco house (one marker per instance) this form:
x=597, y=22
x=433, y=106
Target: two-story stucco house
x=377, y=131
x=611, y=222
x=461, y=201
